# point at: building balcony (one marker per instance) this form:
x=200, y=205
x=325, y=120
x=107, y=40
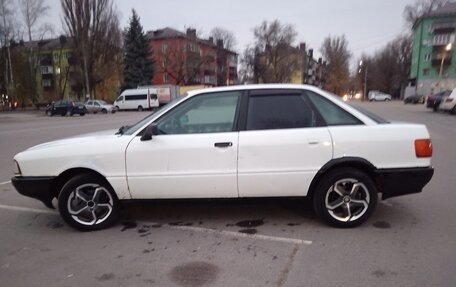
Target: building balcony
x=443, y=27
x=438, y=57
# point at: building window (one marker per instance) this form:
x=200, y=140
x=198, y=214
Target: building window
x=443, y=39
x=164, y=48
x=426, y=72
x=46, y=70
x=46, y=83
x=427, y=57
x=165, y=78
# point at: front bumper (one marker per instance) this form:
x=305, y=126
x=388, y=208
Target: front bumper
x=38, y=187
x=396, y=182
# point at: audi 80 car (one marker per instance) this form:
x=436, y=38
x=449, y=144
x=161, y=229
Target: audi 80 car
x=234, y=142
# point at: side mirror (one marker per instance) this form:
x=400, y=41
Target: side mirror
x=149, y=132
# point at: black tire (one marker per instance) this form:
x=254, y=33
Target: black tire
x=104, y=111
x=82, y=114
x=453, y=110
x=140, y=108
x=88, y=202
x=353, y=185
x=117, y=108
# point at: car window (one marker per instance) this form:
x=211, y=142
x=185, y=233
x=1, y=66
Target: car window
x=89, y=102
x=207, y=113
x=96, y=104
x=280, y=111
x=332, y=114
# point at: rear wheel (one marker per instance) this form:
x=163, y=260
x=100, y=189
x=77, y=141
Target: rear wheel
x=104, y=111
x=453, y=110
x=140, y=108
x=345, y=197
x=87, y=203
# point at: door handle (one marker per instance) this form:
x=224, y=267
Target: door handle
x=223, y=144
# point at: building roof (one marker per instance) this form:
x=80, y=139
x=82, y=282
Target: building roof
x=167, y=32
x=449, y=9
x=49, y=44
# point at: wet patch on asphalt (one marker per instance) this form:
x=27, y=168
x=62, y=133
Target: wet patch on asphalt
x=194, y=274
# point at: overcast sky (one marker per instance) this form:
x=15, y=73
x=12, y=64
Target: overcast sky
x=367, y=24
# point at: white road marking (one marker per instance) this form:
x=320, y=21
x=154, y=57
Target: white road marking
x=5, y=182
x=26, y=209
x=239, y=234
x=186, y=228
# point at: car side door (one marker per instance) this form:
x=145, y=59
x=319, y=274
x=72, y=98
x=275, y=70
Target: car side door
x=193, y=154
x=282, y=144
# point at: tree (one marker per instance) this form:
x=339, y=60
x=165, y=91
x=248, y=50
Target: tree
x=335, y=51
x=31, y=11
x=274, y=60
x=6, y=27
x=419, y=8
x=389, y=68
x=94, y=29
x=227, y=37
x=138, y=61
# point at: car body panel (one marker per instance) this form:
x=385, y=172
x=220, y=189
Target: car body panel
x=285, y=160
x=189, y=165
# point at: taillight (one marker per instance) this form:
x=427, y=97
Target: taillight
x=423, y=148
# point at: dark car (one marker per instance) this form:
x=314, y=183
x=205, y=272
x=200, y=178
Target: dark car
x=414, y=99
x=66, y=107
x=433, y=101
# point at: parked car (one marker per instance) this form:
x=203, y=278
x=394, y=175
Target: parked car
x=433, y=101
x=137, y=99
x=378, y=96
x=415, y=99
x=66, y=108
x=240, y=141
x=448, y=103
x=95, y=106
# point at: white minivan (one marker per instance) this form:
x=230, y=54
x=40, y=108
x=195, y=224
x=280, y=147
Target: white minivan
x=137, y=99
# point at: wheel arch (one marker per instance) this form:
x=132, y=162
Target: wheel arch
x=344, y=162
x=65, y=176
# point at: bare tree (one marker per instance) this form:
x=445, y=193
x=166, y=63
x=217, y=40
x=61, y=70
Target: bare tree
x=94, y=29
x=228, y=38
x=335, y=51
x=31, y=11
x=6, y=26
x=275, y=61
x=419, y=8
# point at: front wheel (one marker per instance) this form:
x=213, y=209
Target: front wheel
x=87, y=202
x=140, y=108
x=345, y=198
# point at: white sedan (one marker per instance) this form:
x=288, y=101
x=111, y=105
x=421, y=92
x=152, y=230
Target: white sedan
x=240, y=141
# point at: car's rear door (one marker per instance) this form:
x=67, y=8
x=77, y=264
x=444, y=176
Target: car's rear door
x=282, y=145
x=194, y=155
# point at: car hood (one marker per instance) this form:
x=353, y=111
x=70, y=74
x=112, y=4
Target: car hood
x=92, y=137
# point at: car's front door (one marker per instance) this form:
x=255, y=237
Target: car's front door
x=282, y=146
x=194, y=154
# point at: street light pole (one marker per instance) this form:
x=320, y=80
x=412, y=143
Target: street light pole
x=447, y=48
x=365, y=78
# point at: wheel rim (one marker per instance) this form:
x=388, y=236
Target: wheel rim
x=347, y=200
x=90, y=204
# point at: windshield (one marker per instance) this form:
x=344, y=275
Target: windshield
x=132, y=129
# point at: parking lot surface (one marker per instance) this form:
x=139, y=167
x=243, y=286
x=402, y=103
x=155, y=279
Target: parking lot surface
x=409, y=241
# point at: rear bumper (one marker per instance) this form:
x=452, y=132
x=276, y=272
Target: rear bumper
x=396, y=182
x=38, y=187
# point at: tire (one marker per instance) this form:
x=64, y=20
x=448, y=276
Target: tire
x=351, y=204
x=453, y=110
x=82, y=114
x=87, y=203
x=104, y=111
x=140, y=108
x=117, y=108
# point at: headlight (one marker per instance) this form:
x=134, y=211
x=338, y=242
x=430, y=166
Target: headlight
x=17, y=169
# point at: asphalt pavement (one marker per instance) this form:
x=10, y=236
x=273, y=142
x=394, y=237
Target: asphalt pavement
x=409, y=241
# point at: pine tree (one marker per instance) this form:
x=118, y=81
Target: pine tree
x=138, y=56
